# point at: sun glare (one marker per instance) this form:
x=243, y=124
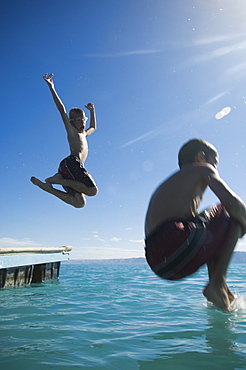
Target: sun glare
x=224, y=112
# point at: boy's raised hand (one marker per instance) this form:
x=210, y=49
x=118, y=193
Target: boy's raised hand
x=48, y=78
x=90, y=106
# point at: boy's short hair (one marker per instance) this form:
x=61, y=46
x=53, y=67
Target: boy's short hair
x=76, y=111
x=189, y=150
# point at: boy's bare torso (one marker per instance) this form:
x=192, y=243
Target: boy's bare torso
x=77, y=143
x=177, y=198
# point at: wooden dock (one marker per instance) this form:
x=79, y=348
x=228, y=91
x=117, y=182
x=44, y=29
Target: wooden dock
x=23, y=266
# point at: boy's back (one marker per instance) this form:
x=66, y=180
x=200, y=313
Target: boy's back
x=178, y=197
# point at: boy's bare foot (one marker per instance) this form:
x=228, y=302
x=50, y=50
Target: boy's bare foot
x=56, y=179
x=218, y=296
x=42, y=185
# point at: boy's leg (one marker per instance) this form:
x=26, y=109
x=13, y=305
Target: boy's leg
x=75, y=185
x=211, y=270
x=217, y=290
x=77, y=200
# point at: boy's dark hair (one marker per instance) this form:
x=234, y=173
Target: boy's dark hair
x=190, y=149
x=76, y=111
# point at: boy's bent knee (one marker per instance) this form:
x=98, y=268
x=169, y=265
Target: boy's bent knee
x=79, y=202
x=78, y=205
x=92, y=191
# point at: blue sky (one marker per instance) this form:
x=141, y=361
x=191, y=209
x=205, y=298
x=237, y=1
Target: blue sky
x=158, y=71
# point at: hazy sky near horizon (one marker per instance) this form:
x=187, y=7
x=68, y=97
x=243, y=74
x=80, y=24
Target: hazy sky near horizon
x=158, y=72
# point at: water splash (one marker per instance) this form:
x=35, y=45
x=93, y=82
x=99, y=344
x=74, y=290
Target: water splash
x=239, y=304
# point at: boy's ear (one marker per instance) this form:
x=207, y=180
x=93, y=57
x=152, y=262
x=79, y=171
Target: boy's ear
x=200, y=157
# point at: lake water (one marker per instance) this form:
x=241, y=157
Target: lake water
x=121, y=317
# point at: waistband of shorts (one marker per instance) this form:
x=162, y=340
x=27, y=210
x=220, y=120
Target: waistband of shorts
x=199, y=222
x=75, y=157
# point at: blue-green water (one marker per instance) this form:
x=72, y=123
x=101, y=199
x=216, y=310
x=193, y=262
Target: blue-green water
x=120, y=317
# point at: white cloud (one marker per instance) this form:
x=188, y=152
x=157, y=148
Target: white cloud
x=173, y=124
x=216, y=97
x=114, y=239
x=218, y=39
x=216, y=53
x=95, y=235
x=10, y=242
x=124, y=53
x=98, y=238
x=137, y=139
x=137, y=241
x=237, y=68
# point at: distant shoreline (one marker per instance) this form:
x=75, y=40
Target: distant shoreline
x=113, y=261
x=237, y=258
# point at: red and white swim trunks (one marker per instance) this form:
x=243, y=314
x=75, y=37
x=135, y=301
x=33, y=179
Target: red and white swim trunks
x=177, y=248
x=72, y=168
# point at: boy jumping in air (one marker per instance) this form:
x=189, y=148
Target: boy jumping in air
x=178, y=239
x=71, y=173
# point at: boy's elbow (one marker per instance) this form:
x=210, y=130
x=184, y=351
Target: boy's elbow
x=90, y=131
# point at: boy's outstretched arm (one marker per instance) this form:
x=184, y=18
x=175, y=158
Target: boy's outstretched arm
x=60, y=106
x=93, y=124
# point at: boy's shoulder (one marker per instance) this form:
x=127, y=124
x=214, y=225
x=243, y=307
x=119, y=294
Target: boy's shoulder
x=190, y=175
x=199, y=168
x=190, y=172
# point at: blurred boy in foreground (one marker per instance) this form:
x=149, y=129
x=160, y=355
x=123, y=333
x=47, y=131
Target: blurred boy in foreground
x=178, y=239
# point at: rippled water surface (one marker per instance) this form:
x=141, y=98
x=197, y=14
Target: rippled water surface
x=121, y=317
